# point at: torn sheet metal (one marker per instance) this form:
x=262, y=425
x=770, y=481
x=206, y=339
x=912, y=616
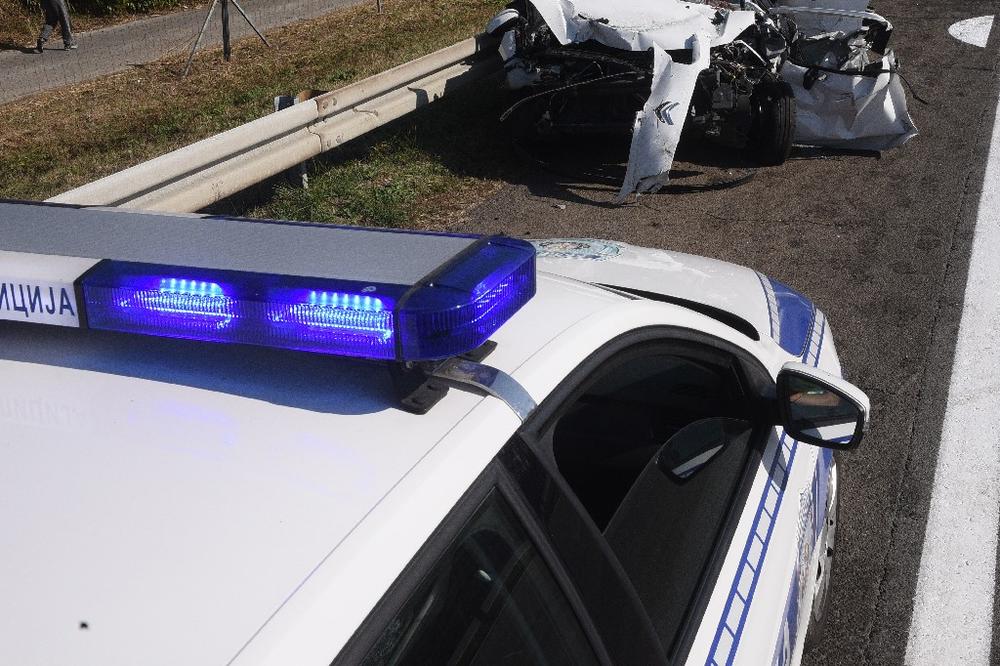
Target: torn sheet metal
x=813, y=18
x=853, y=112
x=639, y=25
x=658, y=126
x=848, y=92
x=815, y=72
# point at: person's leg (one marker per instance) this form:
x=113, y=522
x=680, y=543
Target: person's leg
x=64, y=24
x=51, y=20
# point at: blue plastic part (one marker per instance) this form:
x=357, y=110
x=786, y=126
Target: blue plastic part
x=796, y=314
x=447, y=314
x=467, y=302
x=194, y=302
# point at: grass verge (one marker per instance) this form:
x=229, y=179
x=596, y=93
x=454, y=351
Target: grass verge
x=58, y=140
x=424, y=171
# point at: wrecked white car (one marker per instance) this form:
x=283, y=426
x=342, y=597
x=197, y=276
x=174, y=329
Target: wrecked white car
x=739, y=75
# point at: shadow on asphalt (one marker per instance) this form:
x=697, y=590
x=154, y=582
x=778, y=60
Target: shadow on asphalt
x=601, y=166
x=464, y=133
x=11, y=46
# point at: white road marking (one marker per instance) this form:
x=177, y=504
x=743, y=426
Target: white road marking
x=952, y=619
x=975, y=31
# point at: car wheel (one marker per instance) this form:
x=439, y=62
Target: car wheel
x=824, y=574
x=775, y=123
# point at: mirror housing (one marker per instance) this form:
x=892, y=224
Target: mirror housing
x=818, y=408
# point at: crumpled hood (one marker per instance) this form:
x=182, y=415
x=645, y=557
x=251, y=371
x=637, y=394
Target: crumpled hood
x=773, y=309
x=641, y=24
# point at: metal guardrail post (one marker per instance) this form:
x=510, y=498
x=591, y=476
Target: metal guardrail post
x=227, y=48
x=226, y=40
x=299, y=173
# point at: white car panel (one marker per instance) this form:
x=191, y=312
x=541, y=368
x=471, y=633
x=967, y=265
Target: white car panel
x=319, y=620
x=726, y=286
x=164, y=488
x=194, y=503
x=174, y=521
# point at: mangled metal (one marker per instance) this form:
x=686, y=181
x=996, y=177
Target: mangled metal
x=848, y=91
x=657, y=128
x=744, y=77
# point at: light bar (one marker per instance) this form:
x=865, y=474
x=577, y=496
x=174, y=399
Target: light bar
x=368, y=293
x=452, y=311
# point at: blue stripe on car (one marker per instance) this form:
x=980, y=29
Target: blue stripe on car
x=737, y=607
x=791, y=314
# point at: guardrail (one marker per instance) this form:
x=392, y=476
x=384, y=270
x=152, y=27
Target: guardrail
x=198, y=175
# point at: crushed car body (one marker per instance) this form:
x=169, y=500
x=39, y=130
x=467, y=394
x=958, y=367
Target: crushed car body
x=741, y=76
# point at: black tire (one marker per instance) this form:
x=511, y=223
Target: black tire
x=818, y=616
x=775, y=124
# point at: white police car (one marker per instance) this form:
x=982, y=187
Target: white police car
x=608, y=460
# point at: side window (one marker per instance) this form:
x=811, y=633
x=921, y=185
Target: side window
x=629, y=445
x=489, y=599
x=603, y=440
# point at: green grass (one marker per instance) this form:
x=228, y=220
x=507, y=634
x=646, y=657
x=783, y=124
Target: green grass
x=422, y=171
x=377, y=190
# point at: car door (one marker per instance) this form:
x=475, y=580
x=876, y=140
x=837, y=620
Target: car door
x=605, y=439
x=484, y=590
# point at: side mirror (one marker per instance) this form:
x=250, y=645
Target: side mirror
x=819, y=408
x=694, y=445
x=502, y=22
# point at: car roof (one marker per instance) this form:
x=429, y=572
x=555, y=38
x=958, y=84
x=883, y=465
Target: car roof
x=161, y=499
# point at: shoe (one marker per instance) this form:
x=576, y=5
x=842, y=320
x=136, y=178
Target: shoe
x=38, y=46
x=70, y=47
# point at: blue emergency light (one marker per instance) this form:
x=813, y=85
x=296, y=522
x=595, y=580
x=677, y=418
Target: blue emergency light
x=375, y=294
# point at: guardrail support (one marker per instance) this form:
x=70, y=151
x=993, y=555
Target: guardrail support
x=298, y=174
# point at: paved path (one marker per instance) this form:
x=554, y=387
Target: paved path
x=113, y=49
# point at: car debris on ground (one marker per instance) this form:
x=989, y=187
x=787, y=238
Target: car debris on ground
x=747, y=76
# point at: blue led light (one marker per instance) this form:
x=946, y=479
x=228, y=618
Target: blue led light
x=452, y=312
x=361, y=322
x=194, y=302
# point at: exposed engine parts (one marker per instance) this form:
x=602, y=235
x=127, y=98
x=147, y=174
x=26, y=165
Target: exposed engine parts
x=742, y=77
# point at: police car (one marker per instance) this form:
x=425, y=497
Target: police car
x=229, y=441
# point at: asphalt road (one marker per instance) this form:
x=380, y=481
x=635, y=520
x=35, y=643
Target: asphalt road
x=109, y=50
x=883, y=247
